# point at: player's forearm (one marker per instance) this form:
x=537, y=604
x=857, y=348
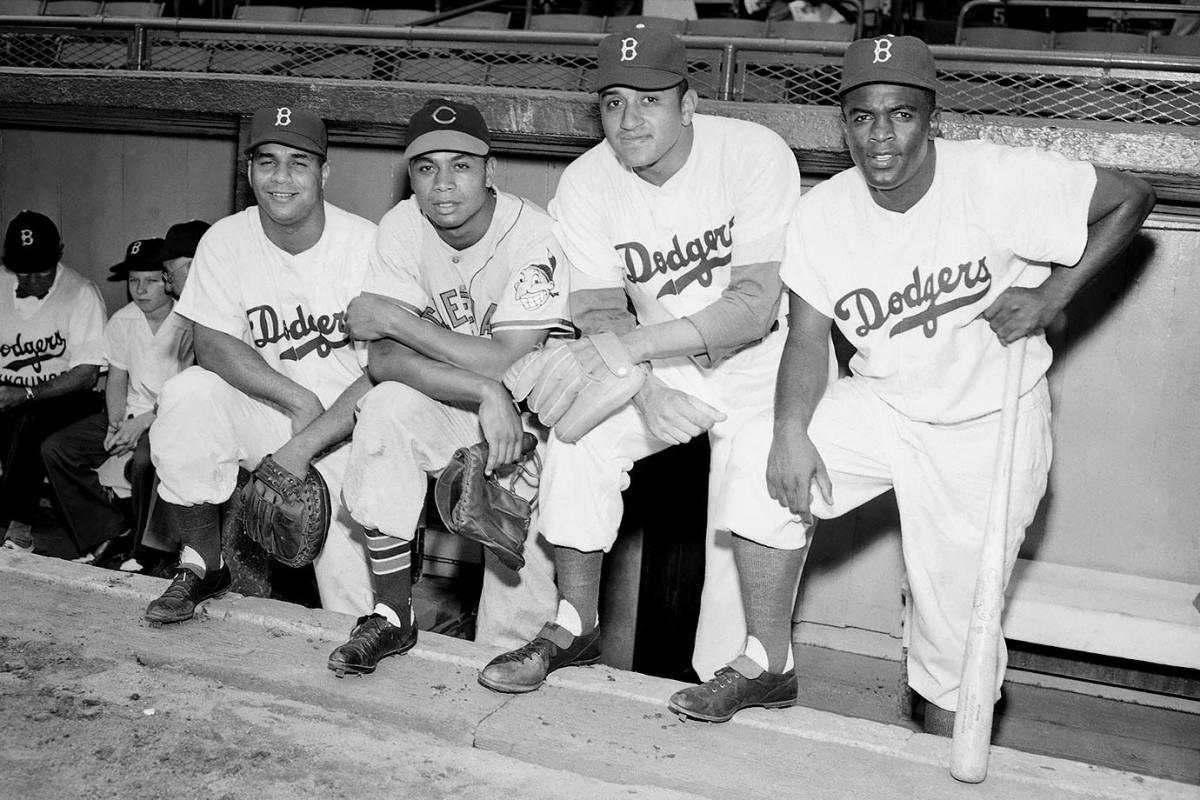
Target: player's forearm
x=803, y=367
x=116, y=393
x=336, y=423
x=76, y=379
x=482, y=355
x=240, y=365
x=392, y=361
x=743, y=314
x=677, y=337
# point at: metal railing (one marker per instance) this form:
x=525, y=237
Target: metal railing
x=1051, y=85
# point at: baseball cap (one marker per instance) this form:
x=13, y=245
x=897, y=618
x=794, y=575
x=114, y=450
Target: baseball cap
x=446, y=125
x=294, y=127
x=644, y=57
x=902, y=60
x=142, y=255
x=32, y=243
x=182, y=238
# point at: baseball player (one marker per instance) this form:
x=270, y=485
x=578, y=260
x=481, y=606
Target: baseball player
x=51, y=352
x=276, y=370
x=145, y=343
x=465, y=279
x=932, y=256
x=682, y=215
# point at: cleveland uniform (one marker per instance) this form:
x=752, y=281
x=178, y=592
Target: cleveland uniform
x=290, y=309
x=920, y=412
x=671, y=249
x=514, y=278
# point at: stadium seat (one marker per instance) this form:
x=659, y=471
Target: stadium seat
x=442, y=69
x=179, y=58
x=536, y=76
x=1102, y=42
x=398, y=17
x=672, y=9
x=266, y=13
x=93, y=54
x=627, y=23
x=248, y=61
x=716, y=26
x=137, y=8
x=21, y=8
x=566, y=23
x=486, y=20
x=1004, y=38
x=341, y=65
x=1176, y=45
x=333, y=15
x=810, y=31
x=71, y=8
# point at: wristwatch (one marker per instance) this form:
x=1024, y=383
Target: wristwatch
x=28, y=394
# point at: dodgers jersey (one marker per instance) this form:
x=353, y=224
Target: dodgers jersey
x=150, y=357
x=290, y=308
x=40, y=339
x=907, y=289
x=514, y=278
x=671, y=246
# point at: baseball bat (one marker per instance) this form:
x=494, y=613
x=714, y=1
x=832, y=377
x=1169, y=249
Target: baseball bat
x=976, y=695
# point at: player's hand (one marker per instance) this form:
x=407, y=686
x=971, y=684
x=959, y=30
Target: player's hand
x=501, y=426
x=11, y=396
x=1020, y=312
x=295, y=456
x=793, y=466
x=674, y=416
x=304, y=409
x=125, y=436
x=367, y=315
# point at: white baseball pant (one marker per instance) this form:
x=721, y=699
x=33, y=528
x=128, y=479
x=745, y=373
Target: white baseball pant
x=942, y=475
x=206, y=428
x=401, y=438
x=582, y=484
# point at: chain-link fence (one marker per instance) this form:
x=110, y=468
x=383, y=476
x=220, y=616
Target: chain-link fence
x=1023, y=84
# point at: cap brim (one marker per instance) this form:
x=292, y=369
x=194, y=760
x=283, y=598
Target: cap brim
x=289, y=140
x=446, y=141
x=644, y=79
x=897, y=79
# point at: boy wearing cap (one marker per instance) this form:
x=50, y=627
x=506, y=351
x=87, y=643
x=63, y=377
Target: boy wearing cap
x=682, y=215
x=145, y=343
x=932, y=255
x=51, y=351
x=464, y=280
x=276, y=370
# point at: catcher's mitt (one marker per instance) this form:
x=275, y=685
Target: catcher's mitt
x=565, y=397
x=286, y=516
x=480, y=508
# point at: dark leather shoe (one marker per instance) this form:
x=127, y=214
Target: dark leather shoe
x=526, y=668
x=373, y=638
x=178, y=603
x=742, y=684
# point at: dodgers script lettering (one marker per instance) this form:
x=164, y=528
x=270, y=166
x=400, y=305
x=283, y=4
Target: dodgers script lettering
x=921, y=300
x=268, y=328
x=699, y=256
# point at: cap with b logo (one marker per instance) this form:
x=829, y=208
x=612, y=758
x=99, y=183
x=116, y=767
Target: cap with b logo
x=142, y=255
x=901, y=60
x=182, y=238
x=446, y=125
x=32, y=243
x=644, y=58
x=287, y=125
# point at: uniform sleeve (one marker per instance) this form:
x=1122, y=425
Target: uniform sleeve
x=579, y=223
x=537, y=292
x=85, y=329
x=800, y=270
x=1043, y=219
x=116, y=344
x=209, y=297
x=392, y=269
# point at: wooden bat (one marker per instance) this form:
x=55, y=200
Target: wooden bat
x=977, y=692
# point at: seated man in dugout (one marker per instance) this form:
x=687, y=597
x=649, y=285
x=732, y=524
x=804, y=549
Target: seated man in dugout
x=933, y=256
x=276, y=371
x=465, y=279
x=51, y=352
x=145, y=343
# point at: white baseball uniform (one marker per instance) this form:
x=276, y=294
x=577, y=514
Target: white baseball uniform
x=673, y=249
x=920, y=413
x=514, y=278
x=42, y=338
x=291, y=310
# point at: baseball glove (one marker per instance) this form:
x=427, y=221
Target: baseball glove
x=566, y=397
x=286, y=516
x=480, y=508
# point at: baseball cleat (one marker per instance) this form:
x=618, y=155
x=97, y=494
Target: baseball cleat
x=178, y=603
x=373, y=638
x=526, y=668
x=742, y=684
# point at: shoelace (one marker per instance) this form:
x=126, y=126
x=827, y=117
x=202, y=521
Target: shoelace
x=181, y=587
x=539, y=646
x=366, y=635
x=722, y=679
